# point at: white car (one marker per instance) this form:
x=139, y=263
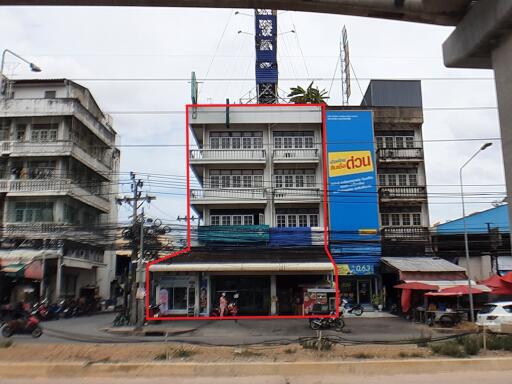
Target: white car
x=493, y=315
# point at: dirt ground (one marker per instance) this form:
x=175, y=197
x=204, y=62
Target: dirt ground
x=181, y=352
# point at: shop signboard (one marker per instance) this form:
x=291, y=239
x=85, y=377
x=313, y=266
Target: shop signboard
x=352, y=187
x=356, y=269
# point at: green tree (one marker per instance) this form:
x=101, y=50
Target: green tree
x=310, y=95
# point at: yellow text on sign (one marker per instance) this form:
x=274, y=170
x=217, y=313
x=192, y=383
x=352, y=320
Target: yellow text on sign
x=348, y=163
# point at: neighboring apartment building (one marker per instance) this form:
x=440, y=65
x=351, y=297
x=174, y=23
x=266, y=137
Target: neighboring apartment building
x=58, y=183
x=398, y=118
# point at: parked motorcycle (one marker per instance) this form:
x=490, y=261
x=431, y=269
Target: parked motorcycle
x=356, y=309
x=28, y=325
x=326, y=323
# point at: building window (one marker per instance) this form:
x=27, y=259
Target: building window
x=236, y=178
x=406, y=219
x=413, y=180
x=384, y=219
x=30, y=212
x=399, y=141
x=392, y=180
x=294, y=178
x=313, y=220
x=44, y=132
x=21, y=130
x=50, y=94
x=297, y=217
x=402, y=180
x=230, y=220
x=236, y=140
x=294, y=139
x=395, y=219
x=416, y=219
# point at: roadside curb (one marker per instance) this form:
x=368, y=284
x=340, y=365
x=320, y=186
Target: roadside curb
x=233, y=369
x=138, y=331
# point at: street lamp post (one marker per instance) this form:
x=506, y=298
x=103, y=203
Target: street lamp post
x=466, y=243
x=33, y=67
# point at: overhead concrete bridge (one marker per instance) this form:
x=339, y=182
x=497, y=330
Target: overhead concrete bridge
x=482, y=37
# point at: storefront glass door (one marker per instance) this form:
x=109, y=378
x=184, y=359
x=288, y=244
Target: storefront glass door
x=364, y=291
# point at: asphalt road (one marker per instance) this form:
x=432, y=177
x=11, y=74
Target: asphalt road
x=226, y=332
x=488, y=377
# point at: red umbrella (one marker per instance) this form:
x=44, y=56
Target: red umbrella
x=493, y=281
x=507, y=277
x=418, y=286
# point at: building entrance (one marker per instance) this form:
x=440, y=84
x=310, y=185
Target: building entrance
x=253, y=292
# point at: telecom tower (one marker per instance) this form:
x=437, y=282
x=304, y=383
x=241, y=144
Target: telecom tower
x=266, y=55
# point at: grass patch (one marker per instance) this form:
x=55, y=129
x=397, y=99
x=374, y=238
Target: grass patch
x=6, y=343
x=499, y=342
x=325, y=345
x=471, y=344
x=161, y=357
x=364, y=355
x=448, y=348
x=290, y=351
x=404, y=354
x=182, y=353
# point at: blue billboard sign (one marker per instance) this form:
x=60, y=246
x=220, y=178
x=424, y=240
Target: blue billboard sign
x=352, y=186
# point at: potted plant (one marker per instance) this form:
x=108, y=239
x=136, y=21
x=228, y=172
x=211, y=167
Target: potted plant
x=378, y=301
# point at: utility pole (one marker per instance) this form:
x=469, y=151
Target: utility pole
x=135, y=202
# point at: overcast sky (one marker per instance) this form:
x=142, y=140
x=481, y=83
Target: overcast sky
x=135, y=43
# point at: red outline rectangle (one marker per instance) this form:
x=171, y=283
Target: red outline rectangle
x=188, y=248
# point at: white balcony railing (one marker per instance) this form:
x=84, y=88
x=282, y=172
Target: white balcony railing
x=61, y=186
x=297, y=193
x=226, y=154
x=228, y=194
x=296, y=154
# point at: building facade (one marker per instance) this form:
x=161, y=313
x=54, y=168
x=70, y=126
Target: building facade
x=58, y=183
x=259, y=197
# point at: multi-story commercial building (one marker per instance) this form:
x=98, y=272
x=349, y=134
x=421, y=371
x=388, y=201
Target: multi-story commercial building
x=58, y=182
x=260, y=202
x=260, y=199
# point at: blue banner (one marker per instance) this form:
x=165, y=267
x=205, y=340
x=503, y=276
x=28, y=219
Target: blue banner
x=352, y=186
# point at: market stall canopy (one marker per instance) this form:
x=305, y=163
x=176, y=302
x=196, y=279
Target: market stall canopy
x=25, y=263
x=417, y=286
x=423, y=268
x=456, y=291
x=493, y=281
x=498, y=285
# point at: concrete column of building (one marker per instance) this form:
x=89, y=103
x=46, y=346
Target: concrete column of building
x=273, y=296
x=58, y=283
x=502, y=64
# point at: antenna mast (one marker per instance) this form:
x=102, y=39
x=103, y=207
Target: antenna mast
x=345, y=67
x=265, y=37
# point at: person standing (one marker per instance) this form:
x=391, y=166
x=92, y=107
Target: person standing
x=223, y=304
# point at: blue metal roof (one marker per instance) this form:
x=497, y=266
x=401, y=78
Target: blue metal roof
x=477, y=222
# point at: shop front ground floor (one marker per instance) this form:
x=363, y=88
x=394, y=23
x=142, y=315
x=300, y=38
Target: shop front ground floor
x=236, y=294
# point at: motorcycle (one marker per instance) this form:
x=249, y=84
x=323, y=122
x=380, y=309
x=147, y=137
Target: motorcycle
x=28, y=325
x=356, y=309
x=231, y=308
x=326, y=323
